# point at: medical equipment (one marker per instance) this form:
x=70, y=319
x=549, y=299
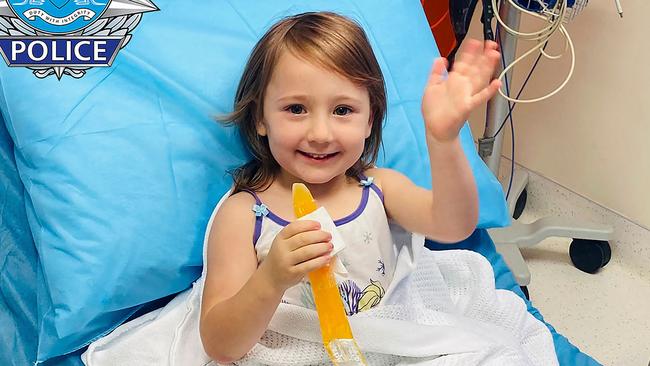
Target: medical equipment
x=508, y=240
x=335, y=328
x=619, y=8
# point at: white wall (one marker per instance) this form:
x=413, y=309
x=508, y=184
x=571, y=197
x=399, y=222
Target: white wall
x=593, y=137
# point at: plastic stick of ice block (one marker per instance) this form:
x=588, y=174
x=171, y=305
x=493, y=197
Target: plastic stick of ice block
x=335, y=328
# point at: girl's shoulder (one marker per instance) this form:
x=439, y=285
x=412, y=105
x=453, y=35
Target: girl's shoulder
x=380, y=175
x=233, y=223
x=389, y=181
x=236, y=208
x=239, y=200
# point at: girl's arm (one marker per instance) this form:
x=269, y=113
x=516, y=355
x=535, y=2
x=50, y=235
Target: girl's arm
x=237, y=302
x=240, y=298
x=448, y=213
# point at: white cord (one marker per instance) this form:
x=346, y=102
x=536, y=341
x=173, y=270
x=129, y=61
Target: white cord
x=543, y=33
x=554, y=16
x=555, y=57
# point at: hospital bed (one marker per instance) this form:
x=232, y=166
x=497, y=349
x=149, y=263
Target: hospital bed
x=55, y=133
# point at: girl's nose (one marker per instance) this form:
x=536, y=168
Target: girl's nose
x=320, y=130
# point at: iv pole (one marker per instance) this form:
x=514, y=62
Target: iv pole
x=508, y=240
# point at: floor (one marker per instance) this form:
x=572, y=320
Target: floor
x=607, y=315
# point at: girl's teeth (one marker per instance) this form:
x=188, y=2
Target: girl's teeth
x=318, y=156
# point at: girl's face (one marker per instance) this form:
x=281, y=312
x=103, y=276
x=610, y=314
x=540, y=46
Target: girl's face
x=316, y=120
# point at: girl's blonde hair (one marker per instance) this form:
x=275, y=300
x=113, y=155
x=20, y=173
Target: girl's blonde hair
x=330, y=40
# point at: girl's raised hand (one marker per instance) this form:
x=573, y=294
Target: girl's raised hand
x=447, y=103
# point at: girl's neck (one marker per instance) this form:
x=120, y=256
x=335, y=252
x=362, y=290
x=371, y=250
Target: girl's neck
x=321, y=190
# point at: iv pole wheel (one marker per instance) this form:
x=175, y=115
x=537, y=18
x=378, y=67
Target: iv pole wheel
x=590, y=255
x=520, y=205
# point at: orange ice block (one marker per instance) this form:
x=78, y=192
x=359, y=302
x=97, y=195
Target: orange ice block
x=335, y=328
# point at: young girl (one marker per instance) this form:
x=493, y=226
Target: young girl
x=310, y=106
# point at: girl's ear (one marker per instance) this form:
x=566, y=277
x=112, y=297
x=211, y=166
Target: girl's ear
x=261, y=128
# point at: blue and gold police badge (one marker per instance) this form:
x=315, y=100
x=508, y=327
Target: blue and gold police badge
x=67, y=37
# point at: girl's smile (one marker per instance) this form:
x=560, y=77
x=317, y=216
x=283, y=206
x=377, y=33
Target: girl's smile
x=318, y=157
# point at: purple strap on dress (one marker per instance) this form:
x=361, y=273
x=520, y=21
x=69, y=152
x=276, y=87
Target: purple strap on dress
x=374, y=188
x=258, y=218
x=262, y=210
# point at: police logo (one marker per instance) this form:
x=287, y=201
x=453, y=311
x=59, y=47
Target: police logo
x=58, y=16
x=67, y=37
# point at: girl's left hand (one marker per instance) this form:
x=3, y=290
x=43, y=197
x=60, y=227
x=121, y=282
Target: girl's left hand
x=447, y=103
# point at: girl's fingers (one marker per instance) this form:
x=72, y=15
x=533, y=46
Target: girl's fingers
x=485, y=94
x=297, y=227
x=481, y=76
x=309, y=252
x=470, y=47
x=490, y=45
x=313, y=264
x=481, y=72
x=492, y=59
x=466, y=75
x=309, y=237
x=470, y=77
x=437, y=71
x=470, y=50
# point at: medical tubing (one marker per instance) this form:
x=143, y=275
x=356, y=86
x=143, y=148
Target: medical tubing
x=555, y=16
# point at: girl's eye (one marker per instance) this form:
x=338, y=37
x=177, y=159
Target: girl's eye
x=295, y=109
x=342, y=111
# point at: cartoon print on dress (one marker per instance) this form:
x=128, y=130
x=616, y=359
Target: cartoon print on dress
x=367, y=238
x=351, y=294
x=382, y=267
x=357, y=300
x=372, y=295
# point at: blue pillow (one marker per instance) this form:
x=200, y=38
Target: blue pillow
x=123, y=166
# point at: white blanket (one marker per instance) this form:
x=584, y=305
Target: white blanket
x=441, y=309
